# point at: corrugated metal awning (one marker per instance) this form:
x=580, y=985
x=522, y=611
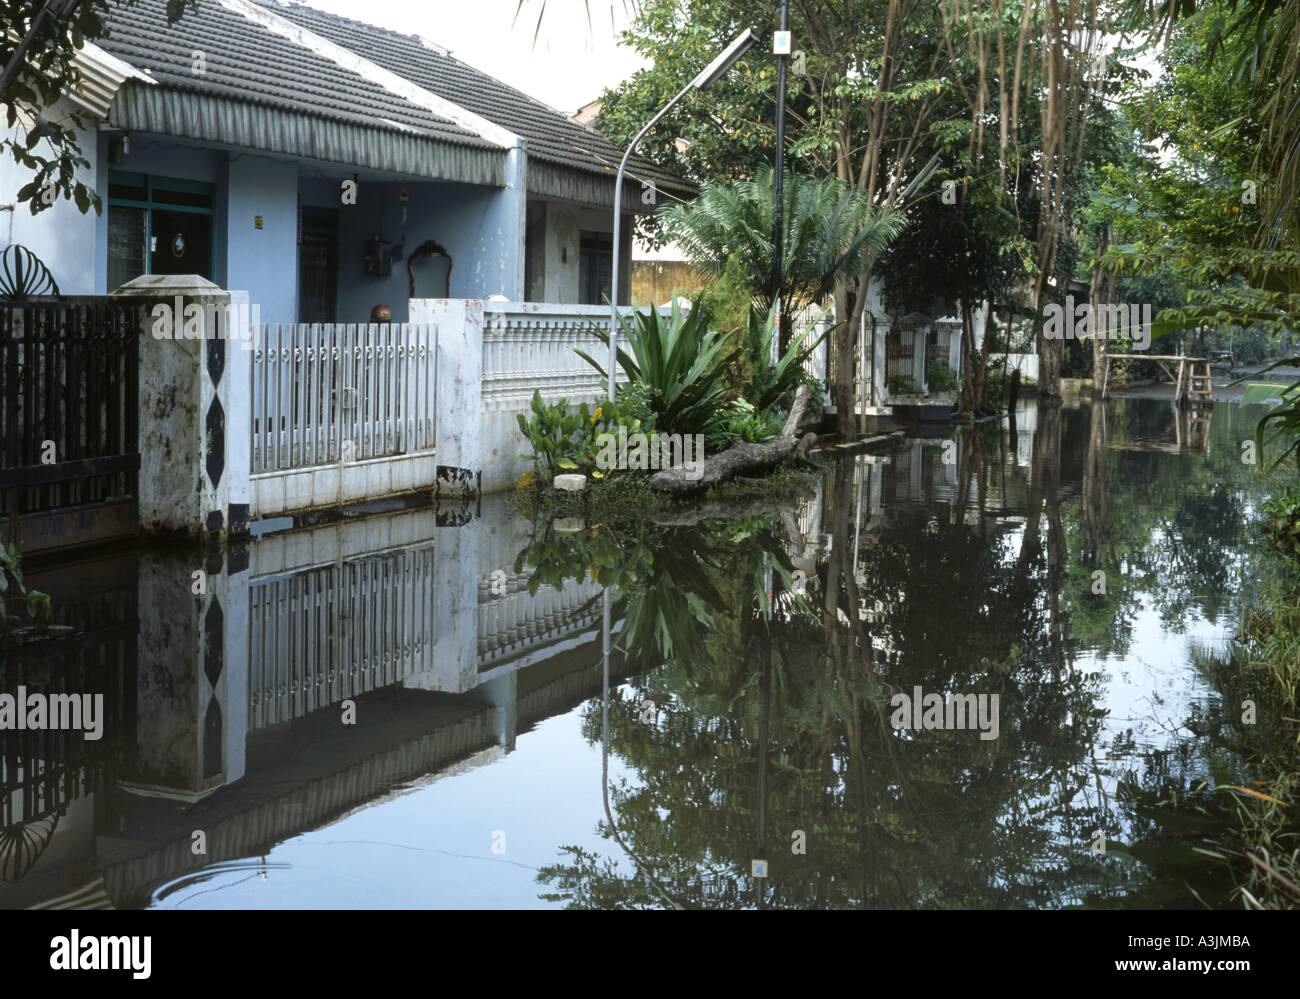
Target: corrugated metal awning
x=554, y=181
x=211, y=118
x=101, y=75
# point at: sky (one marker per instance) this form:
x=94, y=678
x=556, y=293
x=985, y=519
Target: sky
x=572, y=62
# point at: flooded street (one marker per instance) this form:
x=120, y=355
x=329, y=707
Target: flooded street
x=405, y=710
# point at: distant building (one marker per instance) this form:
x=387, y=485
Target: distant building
x=588, y=113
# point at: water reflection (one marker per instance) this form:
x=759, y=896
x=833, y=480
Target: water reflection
x=1054, y=566
x=737, y=676
x=230, y=681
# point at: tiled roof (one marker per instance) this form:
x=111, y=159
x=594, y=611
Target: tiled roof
x=245, y=61
x=550, y=135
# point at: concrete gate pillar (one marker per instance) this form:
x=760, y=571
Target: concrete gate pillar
x=195, y=380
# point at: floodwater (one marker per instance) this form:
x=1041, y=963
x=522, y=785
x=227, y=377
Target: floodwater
x=407, y=709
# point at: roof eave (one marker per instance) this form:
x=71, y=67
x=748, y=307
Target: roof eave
x=224, y=121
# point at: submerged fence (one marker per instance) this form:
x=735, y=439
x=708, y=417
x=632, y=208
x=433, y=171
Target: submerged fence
x=69, y=421
x=319, y=387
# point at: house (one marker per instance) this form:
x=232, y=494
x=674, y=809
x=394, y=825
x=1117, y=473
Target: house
x=326, y=166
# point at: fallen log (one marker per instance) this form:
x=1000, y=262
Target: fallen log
x=740, y=457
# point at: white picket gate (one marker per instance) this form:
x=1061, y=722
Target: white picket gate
x=341, y=413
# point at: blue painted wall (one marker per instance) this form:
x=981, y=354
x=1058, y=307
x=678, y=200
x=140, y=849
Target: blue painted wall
x=60, y=235
x=263, y=262
x=162, y=156
x=481, y=227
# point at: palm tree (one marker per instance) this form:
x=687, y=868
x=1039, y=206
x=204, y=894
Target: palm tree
x=831, y=231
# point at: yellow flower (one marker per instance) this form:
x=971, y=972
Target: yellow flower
x=525, y=481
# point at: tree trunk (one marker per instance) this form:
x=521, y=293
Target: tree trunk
x=846, y=338
x=1103, y=291
x=740, y=457
x=1049, y=368
x=986, y=349
x=969, y=360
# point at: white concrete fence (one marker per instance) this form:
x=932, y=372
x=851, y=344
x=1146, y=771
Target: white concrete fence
x=285, y=419
x=496, y=355
x=341, y=414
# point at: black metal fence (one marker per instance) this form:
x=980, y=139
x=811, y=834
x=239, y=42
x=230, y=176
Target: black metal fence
x=43, y=772
x=69, y=421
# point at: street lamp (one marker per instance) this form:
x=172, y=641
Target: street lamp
x=709, y=74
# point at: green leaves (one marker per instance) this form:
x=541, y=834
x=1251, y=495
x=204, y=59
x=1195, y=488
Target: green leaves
x=35, y=603
x=831, y=231
x=773, y=385
x=11, y=565
x=1281, y=425
x=1259, y=392
x=680, y=365
x=50, y=148
x=567, y=439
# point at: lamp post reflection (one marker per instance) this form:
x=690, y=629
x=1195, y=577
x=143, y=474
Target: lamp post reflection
x=606, y=629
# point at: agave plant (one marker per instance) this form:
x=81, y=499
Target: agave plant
x=773, y=384
x=14, y=591
x=681, y=364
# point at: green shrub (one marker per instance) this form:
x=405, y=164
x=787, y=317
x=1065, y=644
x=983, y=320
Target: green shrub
x=726, y=304
x=995, y=382
x=565, y=440
x=14, y=595
x=1282, y=520
x=772, y=386
x=681, y=365
x=940, y=376
x=748, y=424
x=902, y=385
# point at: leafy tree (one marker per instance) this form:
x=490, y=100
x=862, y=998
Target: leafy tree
x=872, y=73
x=39, y=42
x=1230, y=113
x=831, y=231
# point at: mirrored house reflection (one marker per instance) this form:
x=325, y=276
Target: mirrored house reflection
x=272, y=688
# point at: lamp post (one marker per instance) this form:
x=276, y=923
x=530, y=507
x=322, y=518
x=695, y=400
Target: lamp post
x=781, y=49
x=709, y=74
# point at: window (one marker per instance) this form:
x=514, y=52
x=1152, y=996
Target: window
x=595, y=265
x=157, y=225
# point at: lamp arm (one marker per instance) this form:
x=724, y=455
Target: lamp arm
x=618, y=226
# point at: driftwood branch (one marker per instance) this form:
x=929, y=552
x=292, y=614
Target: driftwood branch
x=740, y=457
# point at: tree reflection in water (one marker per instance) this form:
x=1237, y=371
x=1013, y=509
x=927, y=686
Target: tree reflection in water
x=773, y=706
